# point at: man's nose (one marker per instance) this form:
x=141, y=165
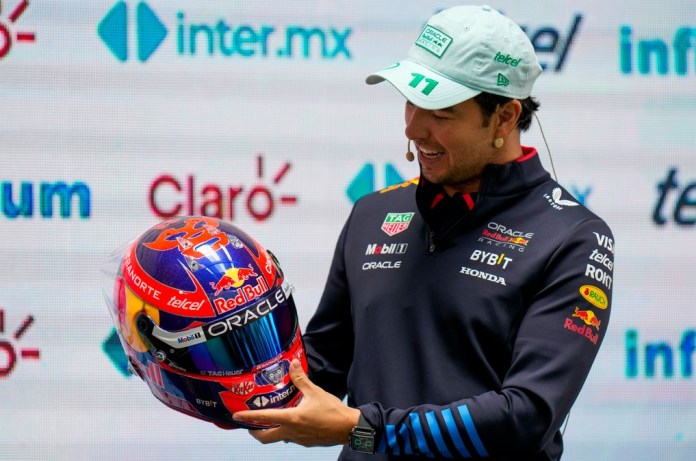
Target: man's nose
x=416, y=123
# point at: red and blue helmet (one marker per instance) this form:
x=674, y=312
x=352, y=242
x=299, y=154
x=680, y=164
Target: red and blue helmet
x=206, y=319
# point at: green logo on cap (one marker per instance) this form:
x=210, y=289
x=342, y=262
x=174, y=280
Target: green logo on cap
x=434, y=41
x=503, y=80
x=507, y=59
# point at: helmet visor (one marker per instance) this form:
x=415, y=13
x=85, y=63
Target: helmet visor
x=229, y=345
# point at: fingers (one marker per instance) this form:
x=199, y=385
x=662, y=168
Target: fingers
x=299, y=378
x=266, y=435
x=271, y=416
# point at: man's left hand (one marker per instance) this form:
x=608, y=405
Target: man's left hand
x=320, y=419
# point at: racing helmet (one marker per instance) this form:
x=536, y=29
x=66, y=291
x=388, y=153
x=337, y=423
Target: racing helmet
x=206, y=318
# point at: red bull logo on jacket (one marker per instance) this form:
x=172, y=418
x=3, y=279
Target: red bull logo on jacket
x=588, y=317
x=589, y=320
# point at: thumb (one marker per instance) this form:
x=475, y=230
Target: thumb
x=299, y=378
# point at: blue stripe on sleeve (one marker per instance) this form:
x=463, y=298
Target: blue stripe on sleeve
x=437, y=435
x=420, y=437
x=471, y=429
x=382, y=447
x=391, y=438
x=404, y=432
x=454, y=433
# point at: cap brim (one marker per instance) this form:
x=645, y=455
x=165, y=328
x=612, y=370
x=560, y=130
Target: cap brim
x=422, y=86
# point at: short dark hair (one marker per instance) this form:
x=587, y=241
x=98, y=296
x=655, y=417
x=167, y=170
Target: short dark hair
x=489, y=102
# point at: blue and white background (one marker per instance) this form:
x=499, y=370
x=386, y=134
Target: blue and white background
x=115, y=114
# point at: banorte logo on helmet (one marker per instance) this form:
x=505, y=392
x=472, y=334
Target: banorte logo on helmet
x=182, y=279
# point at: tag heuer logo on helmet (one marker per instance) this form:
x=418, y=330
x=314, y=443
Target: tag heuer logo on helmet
x=503, y=80
x=434, y=41
x=396, y=222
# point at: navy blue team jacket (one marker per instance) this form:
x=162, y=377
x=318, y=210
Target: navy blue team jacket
x=465, y=335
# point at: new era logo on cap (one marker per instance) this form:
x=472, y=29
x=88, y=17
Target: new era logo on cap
x=503, y=80
x=434, y=41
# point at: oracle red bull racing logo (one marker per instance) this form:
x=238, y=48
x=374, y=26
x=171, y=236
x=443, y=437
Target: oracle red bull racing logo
x=505, y=237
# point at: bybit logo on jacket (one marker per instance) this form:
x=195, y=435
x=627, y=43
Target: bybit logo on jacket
x=218, y=37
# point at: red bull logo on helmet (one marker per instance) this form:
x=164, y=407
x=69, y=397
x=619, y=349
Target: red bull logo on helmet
x=233, y=278
x=242, y=296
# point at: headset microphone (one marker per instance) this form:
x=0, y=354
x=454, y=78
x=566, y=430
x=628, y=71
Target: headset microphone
x=409, y=155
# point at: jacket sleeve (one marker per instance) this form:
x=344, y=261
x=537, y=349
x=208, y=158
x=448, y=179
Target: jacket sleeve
x=552, y=353
x=328, y=338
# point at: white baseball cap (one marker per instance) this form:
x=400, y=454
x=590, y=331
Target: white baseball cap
x=461, y=52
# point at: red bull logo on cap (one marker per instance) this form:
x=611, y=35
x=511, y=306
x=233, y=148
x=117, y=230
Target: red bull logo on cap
x=233, y=278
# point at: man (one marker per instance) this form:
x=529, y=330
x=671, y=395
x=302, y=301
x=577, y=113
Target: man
x=462, y=311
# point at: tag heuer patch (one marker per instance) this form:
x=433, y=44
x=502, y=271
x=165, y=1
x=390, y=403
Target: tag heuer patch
x=433, y=40
x=396, y=222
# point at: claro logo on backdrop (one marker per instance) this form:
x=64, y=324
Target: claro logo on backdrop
x=218, y=36
x=186, y=194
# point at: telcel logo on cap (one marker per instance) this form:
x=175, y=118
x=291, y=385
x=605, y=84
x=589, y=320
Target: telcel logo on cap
x=433, y=40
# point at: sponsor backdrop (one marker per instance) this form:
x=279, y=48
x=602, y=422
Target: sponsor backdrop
x=117, y=114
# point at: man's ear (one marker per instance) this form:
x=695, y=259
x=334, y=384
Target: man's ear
x=507, y=116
